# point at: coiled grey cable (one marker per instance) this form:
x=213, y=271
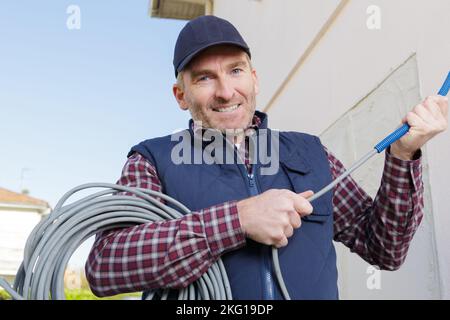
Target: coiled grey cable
x=53, y=241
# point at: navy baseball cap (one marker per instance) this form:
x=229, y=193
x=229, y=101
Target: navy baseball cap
x=201, y=33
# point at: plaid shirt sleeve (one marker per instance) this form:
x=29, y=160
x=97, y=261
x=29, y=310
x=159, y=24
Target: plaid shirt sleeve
x=163, y=254
x=379, y=231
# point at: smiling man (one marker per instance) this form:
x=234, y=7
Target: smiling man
x=222, y=88
x=238, y=213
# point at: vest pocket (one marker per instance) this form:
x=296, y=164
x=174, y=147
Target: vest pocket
x=302, y=178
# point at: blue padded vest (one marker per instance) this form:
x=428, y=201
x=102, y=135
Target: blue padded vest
x=308, y=262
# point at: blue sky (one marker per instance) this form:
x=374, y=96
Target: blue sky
x=73, y=102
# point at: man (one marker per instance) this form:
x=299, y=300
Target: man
x=238, y=214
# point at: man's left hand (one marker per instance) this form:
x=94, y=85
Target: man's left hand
x=426, y=120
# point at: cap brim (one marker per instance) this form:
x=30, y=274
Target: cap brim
x=189, y=58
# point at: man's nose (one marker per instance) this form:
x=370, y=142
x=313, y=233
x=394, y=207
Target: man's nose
x=224, y=90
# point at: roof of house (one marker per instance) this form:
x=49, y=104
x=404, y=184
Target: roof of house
x=7, y=196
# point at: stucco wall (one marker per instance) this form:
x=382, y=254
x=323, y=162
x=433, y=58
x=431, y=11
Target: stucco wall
x=347, y=63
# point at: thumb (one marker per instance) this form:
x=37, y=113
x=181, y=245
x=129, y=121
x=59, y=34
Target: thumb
x=306, y=194
x=404, y=120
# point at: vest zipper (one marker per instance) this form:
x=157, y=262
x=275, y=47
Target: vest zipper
x=267, y=281
x=251, y=183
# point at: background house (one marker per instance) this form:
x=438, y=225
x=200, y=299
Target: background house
x=19, y=213
x=348, y=71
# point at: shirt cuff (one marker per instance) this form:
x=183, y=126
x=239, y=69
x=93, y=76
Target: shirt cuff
x=403, y=175
x=222, y=228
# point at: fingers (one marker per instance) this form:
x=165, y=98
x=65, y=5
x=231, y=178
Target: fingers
x=289, y=209
x=306, y=194
x=430, y=115
x=282, y=242
x=289, y=223
x=297, y=202
x=288, y=231
x=426, y=120
x=443, y=105
x=431, y=104
x=294, y=219
x=424, y=111
x=301, y=204
x=414, y=120
x=280, y=236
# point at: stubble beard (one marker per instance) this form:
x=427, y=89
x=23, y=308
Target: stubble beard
x=199, y=116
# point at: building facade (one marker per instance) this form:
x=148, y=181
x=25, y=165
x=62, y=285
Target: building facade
x=19, y=214
x=348, y=71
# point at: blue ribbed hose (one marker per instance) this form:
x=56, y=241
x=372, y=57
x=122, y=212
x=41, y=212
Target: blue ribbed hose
x=400, y=132
x=383, y=144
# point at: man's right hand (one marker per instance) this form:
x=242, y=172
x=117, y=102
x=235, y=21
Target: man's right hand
x=271, y=217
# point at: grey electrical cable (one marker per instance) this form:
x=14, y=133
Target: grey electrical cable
x=53, y=241
x=275, y=258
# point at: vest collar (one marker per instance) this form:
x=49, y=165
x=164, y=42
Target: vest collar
x=291, y=158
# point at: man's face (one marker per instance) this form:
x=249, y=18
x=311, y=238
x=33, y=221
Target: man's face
x=219, y=88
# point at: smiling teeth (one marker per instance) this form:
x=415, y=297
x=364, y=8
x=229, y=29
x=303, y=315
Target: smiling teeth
x=228, y=109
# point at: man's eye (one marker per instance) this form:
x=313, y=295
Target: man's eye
x=203, y=78
x=236, y=71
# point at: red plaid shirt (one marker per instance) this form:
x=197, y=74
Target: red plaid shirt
x=175, y=253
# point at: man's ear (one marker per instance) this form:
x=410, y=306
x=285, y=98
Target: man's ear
x=179, y=95
x=256, y=81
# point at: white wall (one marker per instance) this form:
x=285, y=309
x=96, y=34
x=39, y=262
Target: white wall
x=15, y=227
x=347, y=64
x=352, y=136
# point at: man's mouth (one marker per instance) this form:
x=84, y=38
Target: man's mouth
x=227, y=109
